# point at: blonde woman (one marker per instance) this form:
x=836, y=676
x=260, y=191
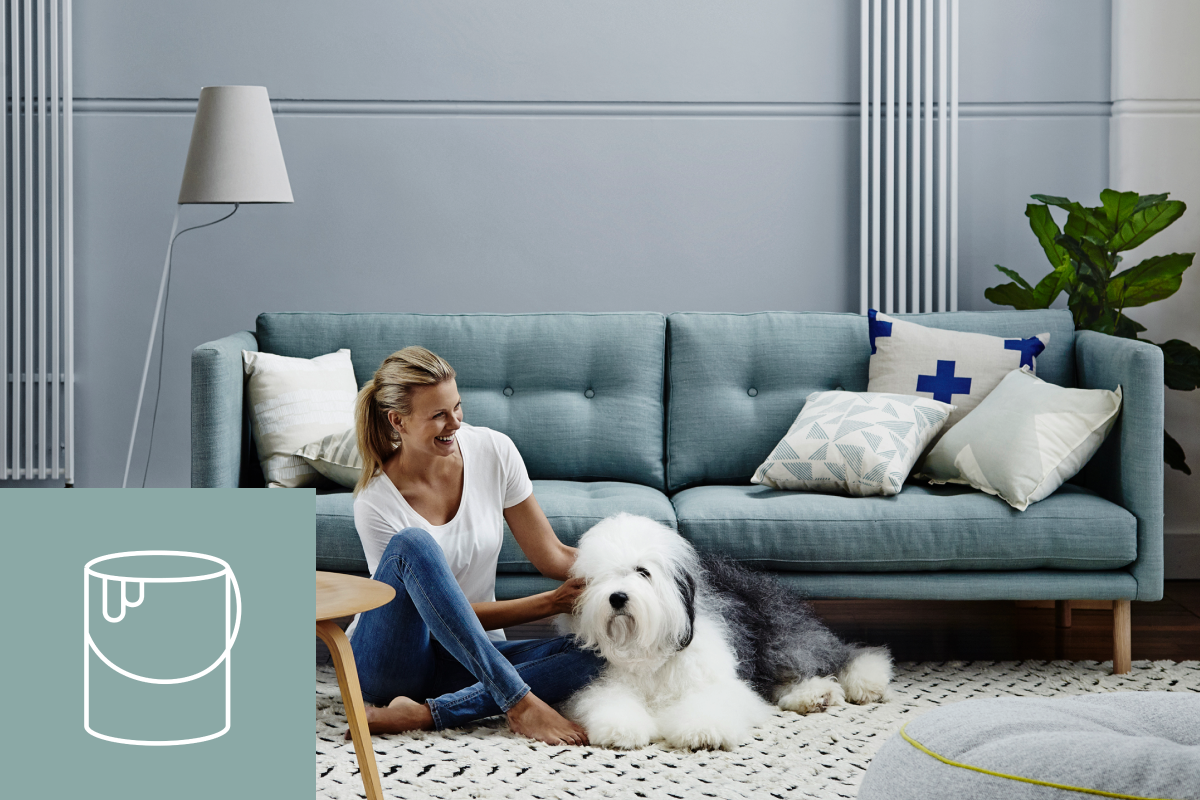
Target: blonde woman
x=428, y=509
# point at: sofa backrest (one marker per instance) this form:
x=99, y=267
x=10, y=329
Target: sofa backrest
x=737, y=381
x=581, y=395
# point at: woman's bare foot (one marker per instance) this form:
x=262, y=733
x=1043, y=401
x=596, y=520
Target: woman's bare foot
x=402, y=714
x=533, y=718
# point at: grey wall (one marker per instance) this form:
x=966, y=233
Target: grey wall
x=1155, y=127
x=528, y=155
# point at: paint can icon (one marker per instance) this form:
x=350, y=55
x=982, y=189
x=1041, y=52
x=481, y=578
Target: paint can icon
x=157, y=639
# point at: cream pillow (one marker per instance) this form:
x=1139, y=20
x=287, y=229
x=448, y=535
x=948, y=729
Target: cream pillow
x=295, y=401
x=1025, y=439
x=948, y=366
x=336, y=457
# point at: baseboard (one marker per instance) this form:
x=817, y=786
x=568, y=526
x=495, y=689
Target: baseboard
x=1181, y=554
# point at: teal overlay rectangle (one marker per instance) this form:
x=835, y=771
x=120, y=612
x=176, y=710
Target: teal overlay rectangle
x=174, y=625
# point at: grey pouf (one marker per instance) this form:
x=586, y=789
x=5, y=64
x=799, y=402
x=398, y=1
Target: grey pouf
x=1128, y=744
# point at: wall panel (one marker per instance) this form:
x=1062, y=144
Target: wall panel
x=528, y=155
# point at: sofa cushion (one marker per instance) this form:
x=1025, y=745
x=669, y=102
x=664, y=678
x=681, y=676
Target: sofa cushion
x=736, y=381
x=573, y=507
x=922, y=528
x=951, y=366
x=853, y=443
x=580, y=394
x=338, y=548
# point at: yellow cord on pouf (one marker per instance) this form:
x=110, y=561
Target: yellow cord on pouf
x=945, y=760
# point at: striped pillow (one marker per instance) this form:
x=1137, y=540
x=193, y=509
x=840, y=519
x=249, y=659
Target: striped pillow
x=336, y=457
x=296, y=401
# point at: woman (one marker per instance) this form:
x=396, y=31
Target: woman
x=428, y=510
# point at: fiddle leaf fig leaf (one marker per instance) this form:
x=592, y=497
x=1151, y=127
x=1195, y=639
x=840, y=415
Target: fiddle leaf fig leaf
x=1012, y=294
x=1150, y=200
x=1082, y=224
x=1084, y=218
x=1128, y=328
x=1173, y=454
x=1046, y=230
x=1060, y=202
x=1016, y=277
x=1119, y=206
x=1145, y=223
x=1156, y=278
x=1088, y=272
x=1181, y=365
x=1051, y=286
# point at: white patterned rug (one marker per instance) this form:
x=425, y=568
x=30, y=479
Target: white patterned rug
x=817, y=756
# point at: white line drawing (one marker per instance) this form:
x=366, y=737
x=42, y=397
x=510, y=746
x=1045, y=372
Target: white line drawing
x=89, y=646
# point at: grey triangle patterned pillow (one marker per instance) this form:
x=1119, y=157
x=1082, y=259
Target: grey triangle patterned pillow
x=855, y=443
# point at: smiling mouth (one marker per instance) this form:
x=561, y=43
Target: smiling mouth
x=445, y=439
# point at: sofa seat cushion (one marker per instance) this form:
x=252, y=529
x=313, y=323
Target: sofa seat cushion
x=575, y=506
x=923, y=528
x=571, y=506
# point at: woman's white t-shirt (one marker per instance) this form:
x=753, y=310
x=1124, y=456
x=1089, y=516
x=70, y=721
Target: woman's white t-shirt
x=494, y=478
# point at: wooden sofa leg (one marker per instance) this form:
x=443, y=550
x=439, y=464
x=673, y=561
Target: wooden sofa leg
x=1062, y=613
x=1122, y=649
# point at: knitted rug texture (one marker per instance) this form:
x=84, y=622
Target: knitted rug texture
x=816, y=756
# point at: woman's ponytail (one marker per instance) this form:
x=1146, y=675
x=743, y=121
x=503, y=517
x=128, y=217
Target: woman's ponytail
x=391, y=390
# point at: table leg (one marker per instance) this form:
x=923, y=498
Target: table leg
x=356, y=715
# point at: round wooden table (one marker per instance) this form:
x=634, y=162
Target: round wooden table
x=340, y=596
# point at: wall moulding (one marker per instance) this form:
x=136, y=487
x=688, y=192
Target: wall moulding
x=1130, y=107
x=558, y=109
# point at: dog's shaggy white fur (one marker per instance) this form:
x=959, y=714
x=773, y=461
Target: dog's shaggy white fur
x=698, y=651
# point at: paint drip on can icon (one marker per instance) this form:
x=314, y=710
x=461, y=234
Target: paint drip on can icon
x=158, y=633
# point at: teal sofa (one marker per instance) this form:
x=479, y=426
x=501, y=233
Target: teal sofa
x=668, y=416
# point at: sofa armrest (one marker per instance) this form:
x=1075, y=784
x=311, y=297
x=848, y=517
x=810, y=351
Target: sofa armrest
x=218, y=440
x=1128, y=469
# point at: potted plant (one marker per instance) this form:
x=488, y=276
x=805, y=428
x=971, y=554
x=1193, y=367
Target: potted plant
x=1085, y=255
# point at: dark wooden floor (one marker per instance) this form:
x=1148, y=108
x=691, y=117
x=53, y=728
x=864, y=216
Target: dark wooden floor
x=923, y=630
x=929, y=630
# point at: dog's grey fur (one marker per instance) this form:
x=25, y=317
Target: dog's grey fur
x=777, y=637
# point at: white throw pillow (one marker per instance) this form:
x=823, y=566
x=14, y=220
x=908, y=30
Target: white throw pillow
x=1025, y=439
x=295, y=401
x=336, y=457
x=856, y=443
x=949, y=366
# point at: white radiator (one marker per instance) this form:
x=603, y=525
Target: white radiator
x=36, y=297
x=909, y=166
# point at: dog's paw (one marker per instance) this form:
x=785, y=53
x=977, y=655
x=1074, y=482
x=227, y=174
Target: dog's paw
x=620, y=737
x=709, y=737
x=812, y=694
x=865, y=679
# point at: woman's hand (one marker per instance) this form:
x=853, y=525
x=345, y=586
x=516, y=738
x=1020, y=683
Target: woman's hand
x=504, y=613
x=562, y=599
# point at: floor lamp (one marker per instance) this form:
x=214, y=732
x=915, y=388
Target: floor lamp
x=234, y=158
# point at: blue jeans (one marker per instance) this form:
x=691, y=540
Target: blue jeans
x=427, y=644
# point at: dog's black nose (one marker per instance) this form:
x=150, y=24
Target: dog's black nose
x=618, y=599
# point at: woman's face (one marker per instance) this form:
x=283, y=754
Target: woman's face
x=435, y=419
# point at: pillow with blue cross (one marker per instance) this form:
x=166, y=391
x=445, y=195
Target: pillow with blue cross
x=949, y=366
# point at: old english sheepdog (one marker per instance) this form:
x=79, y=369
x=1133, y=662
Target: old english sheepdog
x=698, y=650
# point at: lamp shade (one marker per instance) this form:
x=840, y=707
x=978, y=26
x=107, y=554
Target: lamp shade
x=235, y=156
